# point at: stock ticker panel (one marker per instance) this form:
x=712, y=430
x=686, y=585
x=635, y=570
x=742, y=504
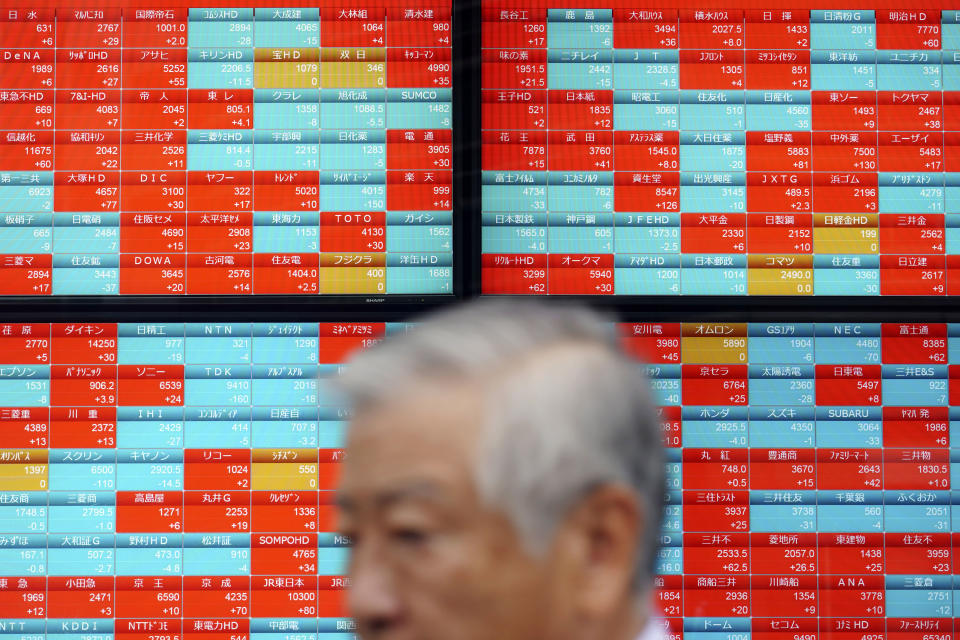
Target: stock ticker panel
x=175, y=480
x=178, y=149
x=778, y=149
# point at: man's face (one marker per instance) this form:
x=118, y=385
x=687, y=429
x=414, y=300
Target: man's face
x=429, y=559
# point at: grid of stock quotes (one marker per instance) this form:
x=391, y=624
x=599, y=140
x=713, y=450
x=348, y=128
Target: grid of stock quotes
x=175, y=480
x=174, y=149
x=780, y=149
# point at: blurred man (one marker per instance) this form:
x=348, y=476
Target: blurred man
x=504, y=479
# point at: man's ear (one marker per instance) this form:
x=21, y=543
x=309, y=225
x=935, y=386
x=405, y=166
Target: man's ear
x=598, y=540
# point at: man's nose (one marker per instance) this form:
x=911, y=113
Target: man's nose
x=373, y=601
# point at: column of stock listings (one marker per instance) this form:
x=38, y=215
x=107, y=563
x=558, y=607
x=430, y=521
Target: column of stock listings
x=175, y=481
x=775, y=149
x=175, y=149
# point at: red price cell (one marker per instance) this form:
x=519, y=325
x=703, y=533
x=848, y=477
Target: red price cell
x=27, y=343
x=709, y=553
x=912, y=233
x=855, y=553
x=920, y=31
x=778, y=69
x=150, y=597
x=25, y=597
x=215, y=510
x=514, y=29
x=286, y=273
x=715, y=469
x=155, y=109
x=784, y=596
x=513, y=109
x=338, y=340
x=83, y=385
x=158, y=154
x=646, y=150
x=713, y=232
x=580, y=151
x=580, y=274
x=777, y=29
x=779, y=233
x=912, y=275
x=514, y=68
x=849, y=469
x=427, y=149
x=419, y=67
x=670, y=418
x=230, y=231
x=916, y=427
x=591, y=111
x=652, y=342
x=166, y=29
x=423, y=190
x=83, y=428
x=87, y=109
x=283, y=553
x=844, y=110
x=216, y=596
x=220, y=108
x=284, y=597
x=779, y=192
x=86, y=597
x=846, y=192
x=910, y=110
x=27, y=151
x=929, y=553
x=917, y=469
x=716, y=69
x=32, y=110
x=904, y=343
x=647, y=192
x=784, y=553
x=514, y=273
x=717, y=511
x=711, y=29
x=26, y=427
x=783, y=151
x=362, y=27
x=149, y=512
x=28, y=29
x=721, y=384
x=779, y=469
x=719, y=595
x=293, y=511
x=645, y=29
x=26, y=275
x=852, y=595
x=158, y=274
x=286, y=190
x=216, y=469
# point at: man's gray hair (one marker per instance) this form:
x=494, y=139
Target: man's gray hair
x=551, y=435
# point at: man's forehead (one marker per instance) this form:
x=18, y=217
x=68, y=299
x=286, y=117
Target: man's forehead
x=431, y=433
x=423, y=489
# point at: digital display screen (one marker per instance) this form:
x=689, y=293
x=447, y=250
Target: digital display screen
x=177, y=149
x=811, y=477
x=175, y=480
x=754, y=149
